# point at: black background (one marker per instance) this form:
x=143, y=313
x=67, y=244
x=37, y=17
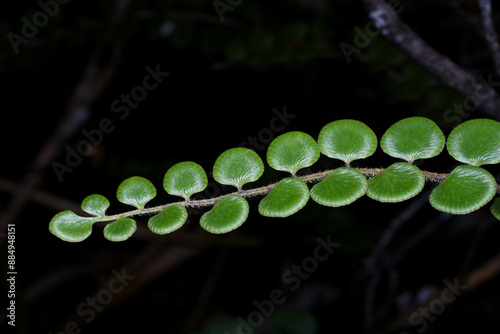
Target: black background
x=222, y=88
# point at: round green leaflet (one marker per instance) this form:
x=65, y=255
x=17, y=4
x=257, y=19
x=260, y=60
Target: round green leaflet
x=495, y=208
x=136, y=191
x=120, y=230
x=347, y=140
x=465, y=189
x=168, y=220
x=397, y=183
x=226, y=215
x=292, y=151
x=475, y=142
x=68, y=226
x=184, y=179
x=413, y=138
x=95, y=205
x=238, y=166
x=342, y=187
x=286, y=198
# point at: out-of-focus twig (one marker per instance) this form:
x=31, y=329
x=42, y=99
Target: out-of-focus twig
x=154, y=261
x=90, y=86
x=371, y=265
x=209, y=287
x=474, y=279
x=439, y=65
x=490, y=34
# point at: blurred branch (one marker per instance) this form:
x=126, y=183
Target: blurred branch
x=372, y=266
x=209, y=287
x=442, y=67
x=490, y=33
x=484, y=273
x=93, y=82
x=41, y=197
x=120, y=17
x=476, y=278
x=90, y=86
x=473, y=21
x=154, y=261
x=55, y=278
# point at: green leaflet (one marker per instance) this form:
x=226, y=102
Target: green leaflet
x=347, y=140
x=71, y=227
x=466, y=189
x=168, y=220
x=475, y=142
x=136, y=191
x=286, y=198
x=95, y=205
x=397, y=183
x=185, y=179
x=413, y=138
x=226, y=215
x=495, y=208
x=342, y=187
x=292, y=151
x=120, y=230
x=68, y=226
x=238, y=166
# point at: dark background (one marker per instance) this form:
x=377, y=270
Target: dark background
x=226, y=77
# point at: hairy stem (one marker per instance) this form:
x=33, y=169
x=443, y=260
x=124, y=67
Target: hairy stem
x=311, y=178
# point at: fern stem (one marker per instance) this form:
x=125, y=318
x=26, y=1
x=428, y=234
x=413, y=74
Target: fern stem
x=311, y=178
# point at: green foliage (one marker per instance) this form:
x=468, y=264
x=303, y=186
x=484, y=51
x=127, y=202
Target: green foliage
x=226, y=215
x=136, y=191
x=168, y=220
x=397, y=183
x=347, y=140
x=289, y=320
x=286, y=198
x=120, y=230
x=68, y=226
x=495, y=208
x=238, y=166
x=95, y=205
x=184, y=179
x=285, y=320
x=292, y=151
x=476, y=142
x=226, y=325
x=413, y=138
x=342, y=187
x=467, y=188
